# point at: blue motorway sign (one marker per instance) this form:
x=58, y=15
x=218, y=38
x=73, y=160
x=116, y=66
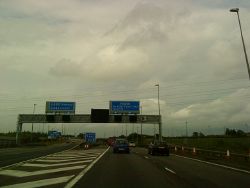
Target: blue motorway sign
x=89, y=137
x=60, y=107
x=54, y=134
x=124, y=107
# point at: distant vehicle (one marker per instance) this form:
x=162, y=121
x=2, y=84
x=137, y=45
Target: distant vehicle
x=121, y=145
x=160, y=148
x=111, y=141
x=131, y=144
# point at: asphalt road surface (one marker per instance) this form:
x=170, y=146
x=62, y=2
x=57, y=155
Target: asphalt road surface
x=139, y=169
x=100, y=167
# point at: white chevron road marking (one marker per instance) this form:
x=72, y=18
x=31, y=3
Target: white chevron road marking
x=82, y=153
x=58, y=164
x=19, y=173
x=56, y=160
x=72, y=156
x=40, y=183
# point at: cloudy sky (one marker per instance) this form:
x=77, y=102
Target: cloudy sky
x=91, y=52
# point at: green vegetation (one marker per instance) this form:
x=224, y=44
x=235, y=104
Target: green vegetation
x=236, y=141
x=217, y=143
x=26, y=137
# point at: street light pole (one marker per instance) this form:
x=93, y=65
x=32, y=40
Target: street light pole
x=242, y=38
x=186, y=129
x=160, y=127
x=141, y=127
x=34, y=108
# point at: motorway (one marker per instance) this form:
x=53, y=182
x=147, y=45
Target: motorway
x=99, y=167
x=139, y=169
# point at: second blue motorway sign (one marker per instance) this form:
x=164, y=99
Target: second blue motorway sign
x=124, y=107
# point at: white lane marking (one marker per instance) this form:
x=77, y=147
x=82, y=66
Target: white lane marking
x=82, y=173
x=146, y=157
x=63, y=160
x=51, y=165
x=20, y=163
x=40, y=183
x=19, y=173
x=173, y=172
x=215, y=164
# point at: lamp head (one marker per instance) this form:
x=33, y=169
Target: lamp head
x=234, y=10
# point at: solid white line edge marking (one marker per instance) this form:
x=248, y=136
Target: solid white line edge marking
x=82, y=173
x=173, y=172
x=215, y=164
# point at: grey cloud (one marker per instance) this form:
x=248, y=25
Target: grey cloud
x=146, y=24
x=66, y=68
x=227, y=110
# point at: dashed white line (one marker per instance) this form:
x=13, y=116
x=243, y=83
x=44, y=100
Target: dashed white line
x=146, y=157
x=173, y=172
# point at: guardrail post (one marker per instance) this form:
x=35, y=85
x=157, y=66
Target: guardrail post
x=182, y=148
x=194, y=151
x=175, y=149
x=228, y=154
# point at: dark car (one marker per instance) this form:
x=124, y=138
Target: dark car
x=121, y=146
x=160, y=148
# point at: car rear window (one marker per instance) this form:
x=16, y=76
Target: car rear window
x=121, y=141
